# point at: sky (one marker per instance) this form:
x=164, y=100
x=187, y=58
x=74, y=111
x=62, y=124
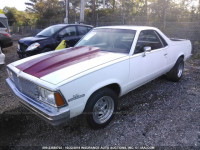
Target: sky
x=18, y=4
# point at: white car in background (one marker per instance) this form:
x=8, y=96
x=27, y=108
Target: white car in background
x=2, y=57
x=106, y=64
x=5, y=37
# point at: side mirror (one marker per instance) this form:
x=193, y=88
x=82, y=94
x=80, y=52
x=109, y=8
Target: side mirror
x=146, y=49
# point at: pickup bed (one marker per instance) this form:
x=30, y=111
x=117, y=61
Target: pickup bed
x=175, y=39
x=106, y=64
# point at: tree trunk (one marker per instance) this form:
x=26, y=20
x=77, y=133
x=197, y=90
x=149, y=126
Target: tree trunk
x=93, y=11
x=199, y=11
x=165, y=7
x=66, y=20
x=113, y=5
x=146, y=10
x=164, y=18
x=82, y=11
x=104, y=3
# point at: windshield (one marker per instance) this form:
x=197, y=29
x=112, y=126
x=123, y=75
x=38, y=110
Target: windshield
x=111, y=40
x=50, y=31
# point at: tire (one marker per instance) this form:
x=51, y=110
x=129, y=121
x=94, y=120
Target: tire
x=100, y=108
x=176, y=72
x=20, y=56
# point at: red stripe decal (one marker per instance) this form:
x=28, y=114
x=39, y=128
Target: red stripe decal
x=49, y=63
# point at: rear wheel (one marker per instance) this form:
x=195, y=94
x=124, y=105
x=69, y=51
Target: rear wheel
x=101, y=107
x=176, y=72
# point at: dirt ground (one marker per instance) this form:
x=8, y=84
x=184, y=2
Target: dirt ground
x=161, y=113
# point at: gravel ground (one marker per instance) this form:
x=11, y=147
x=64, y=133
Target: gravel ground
x=161, y=113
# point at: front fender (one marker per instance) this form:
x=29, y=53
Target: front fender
x=78, y=100
x=98, y=86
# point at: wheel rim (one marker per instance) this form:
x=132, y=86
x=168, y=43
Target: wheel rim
x=103, y=109
x=180, y=70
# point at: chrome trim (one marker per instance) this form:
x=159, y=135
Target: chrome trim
x=54, y=116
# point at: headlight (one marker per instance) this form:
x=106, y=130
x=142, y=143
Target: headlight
x=52, y=98
x=18, y=46
x=10, y=74
x=33, y=46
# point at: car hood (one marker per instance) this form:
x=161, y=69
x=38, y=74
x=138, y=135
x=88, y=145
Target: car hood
x=61, y=65
x=30, y=40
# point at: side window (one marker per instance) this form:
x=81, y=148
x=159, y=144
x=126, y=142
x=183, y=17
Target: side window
x=147, y=38
x=1, y=25
x=162, y=39
x=88, y=29
x=69, y=31
x=82, y=30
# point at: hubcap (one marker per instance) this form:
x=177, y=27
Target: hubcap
x=180, y=70
x=103, y=109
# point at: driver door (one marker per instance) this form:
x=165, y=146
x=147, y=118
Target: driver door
x=146, y=66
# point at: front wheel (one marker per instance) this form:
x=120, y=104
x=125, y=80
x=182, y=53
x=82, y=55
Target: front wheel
x=176, y=72
x=101, y=107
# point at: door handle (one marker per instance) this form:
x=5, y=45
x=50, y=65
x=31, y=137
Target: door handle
x=165, y=54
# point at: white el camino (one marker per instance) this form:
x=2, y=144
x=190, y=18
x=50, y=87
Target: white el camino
x=106, y=64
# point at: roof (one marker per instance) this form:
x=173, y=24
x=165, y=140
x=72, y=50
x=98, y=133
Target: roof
x=128, y=27
x=72, y=24
x=2, y=16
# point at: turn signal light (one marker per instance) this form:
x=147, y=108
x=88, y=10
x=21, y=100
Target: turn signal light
x=59, y=100
x=6, y=34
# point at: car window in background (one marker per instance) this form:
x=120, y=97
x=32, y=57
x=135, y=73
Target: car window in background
x=89, y=28
x=111, y=40
x=83, y=30
x=50, y=31
x=1, y=25
x=69, y=31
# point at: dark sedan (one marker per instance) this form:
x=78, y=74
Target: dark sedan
x=49, y=39
x=5, y=40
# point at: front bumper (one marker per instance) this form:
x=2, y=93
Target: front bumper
x=24, y=54
x=54, y=116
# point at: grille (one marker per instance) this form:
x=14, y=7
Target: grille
x=26, y=87
x=15, y=78
x=23, y=47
